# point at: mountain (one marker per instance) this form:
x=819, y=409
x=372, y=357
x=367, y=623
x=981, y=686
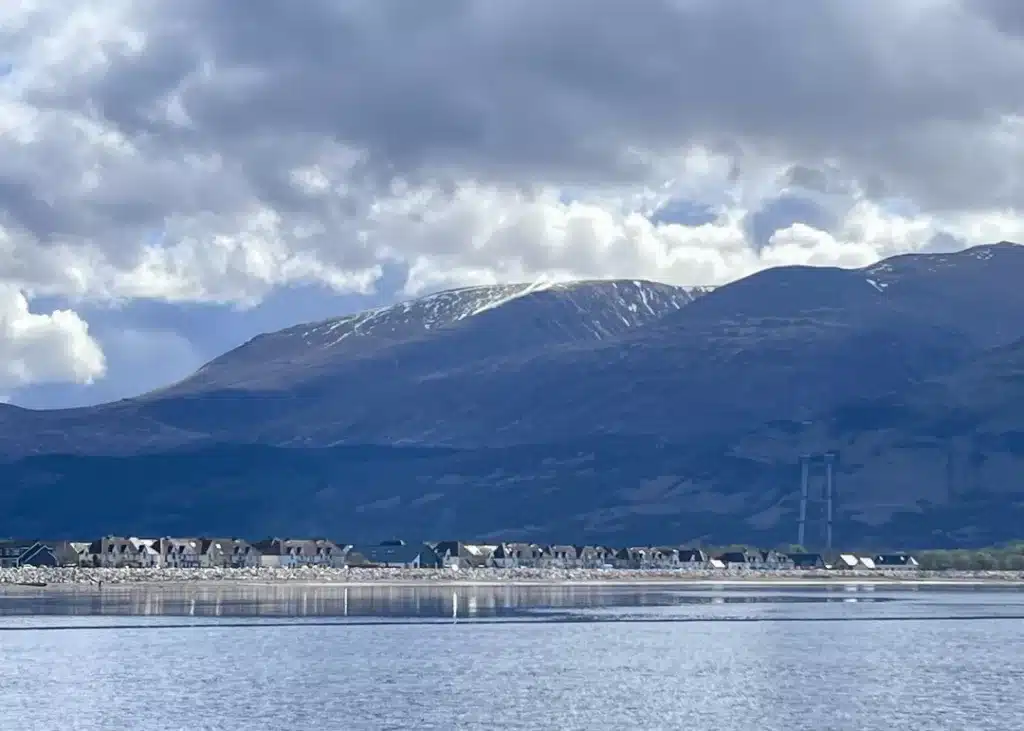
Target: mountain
x=938, y=465
x=782, y=344
x=440, y=330
x=334, y=374
x=941, y=460
x=612, y=411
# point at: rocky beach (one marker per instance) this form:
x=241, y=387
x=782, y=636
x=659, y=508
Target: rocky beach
x=312, y=576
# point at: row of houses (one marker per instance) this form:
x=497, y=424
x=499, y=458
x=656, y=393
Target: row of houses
x=132, y=552
x=530, y=555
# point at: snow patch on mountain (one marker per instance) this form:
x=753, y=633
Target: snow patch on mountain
x=633, y=302
x=565, y=312
x=892, y=270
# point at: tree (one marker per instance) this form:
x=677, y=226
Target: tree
x=1013, y=562
x=936, y=560
x=962, y=561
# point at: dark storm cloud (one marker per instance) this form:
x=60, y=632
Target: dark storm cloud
x=569, y=90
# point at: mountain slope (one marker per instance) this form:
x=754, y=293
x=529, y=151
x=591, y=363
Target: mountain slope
x=936, y=465
x=556, y=414
x=944, y=456
x=526, y=364
x=782, y=344
x=338, y=370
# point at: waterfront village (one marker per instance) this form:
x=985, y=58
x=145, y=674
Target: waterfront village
x=130, y=552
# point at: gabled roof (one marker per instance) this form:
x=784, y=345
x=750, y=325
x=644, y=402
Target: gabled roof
x=144, y=545
x=392, y=554
x=895, y=559
x=806, y=559
x=19, y=545
x=181, y=545
x=563, y=549
x=34, y=550
x=691, y=555
x=733, y=557
x=268, y=546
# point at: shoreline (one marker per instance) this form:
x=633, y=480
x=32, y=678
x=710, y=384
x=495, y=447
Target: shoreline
x=26, y=579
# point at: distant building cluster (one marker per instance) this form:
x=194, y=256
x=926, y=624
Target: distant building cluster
x=130, y=552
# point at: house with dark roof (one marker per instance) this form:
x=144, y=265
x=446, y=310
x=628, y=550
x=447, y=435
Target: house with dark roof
x=734, y=559
x=227, y=553
x=114, y=552
x=692, y=558
x=294, y=552
x=517, y=555
x=774, y=560
x=457, y=554
x=329, y=553
x=71, y=553
x=807, y=560
x=394, y=554
x=595, y=557
x=664, y=557
x=180, y=553
x=561, y=556
x=896, y=561
x=15, y=553
x=635, y=557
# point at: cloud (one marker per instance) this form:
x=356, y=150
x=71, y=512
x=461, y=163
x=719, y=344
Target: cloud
x=38, y=348
x=136, y=361
x=215, y=151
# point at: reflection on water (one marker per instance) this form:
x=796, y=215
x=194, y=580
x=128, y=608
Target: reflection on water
x=466, y=602
x=699, y=659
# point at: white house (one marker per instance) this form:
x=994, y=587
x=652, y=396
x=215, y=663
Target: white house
x=180, y=553
x=73, y=553
x=456, y=554
x=846, y=561
x=517, y=555
x=559, y=557
x=113, y=552
x=147, y=552
x=664, y=557
x=692, y=558
x=290, y=553
x=227, y=553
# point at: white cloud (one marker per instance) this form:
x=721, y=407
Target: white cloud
x=40, y=348
x=214, y=150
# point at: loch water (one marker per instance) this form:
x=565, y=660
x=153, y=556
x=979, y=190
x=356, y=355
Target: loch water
x=581, y=658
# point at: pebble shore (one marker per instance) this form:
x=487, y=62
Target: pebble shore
x=487, y=576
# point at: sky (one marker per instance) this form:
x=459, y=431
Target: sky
x=179, y=176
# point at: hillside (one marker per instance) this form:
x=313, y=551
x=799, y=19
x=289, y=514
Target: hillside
x=443, y=329
x=781, y=344
x=594, y=410
x=282, y=387
x=937, y=465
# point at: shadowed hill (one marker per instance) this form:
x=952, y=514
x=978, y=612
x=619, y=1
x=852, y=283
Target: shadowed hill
x=611, y=409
